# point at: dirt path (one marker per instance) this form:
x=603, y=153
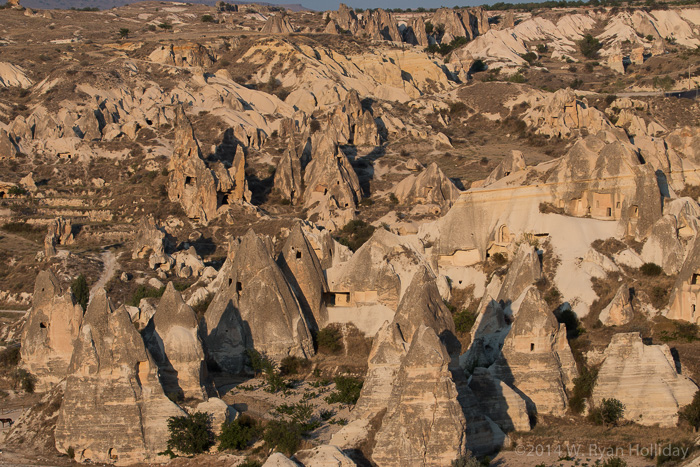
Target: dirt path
x=110, y=266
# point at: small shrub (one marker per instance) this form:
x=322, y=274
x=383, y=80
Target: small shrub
x=583, y=388
x=609, y=412
x=673, y=454
x=614, y=462
x=478, y=66
x=16, y=191
x=81, y=291
x=70, y=452
x=354, y=234
x=24, y=380
x=9, y=358
x=165, y=26
x=464, y=321
x=285, y=436
x=190, y=434
x=145, y=292
x=314, y=126
x=651, y=269
x=347, y=390
x=467, y=460
x=393, y=199
x=499, y=258
x=589, y=46
x=530, y=57
x=124, y=33
x=329, y=340
x=293, y=365
x=517, y=78
x=238, y=434
x=208, y=19
x=691, y=412
x=571, y=321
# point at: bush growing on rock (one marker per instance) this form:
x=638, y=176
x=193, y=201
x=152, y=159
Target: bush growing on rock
x=609, y=412
x=24, y=380
x=9, y=357
x=293, y=365
x=238, y=434
x=583, y=388
x=464, y=320
x=81, y=291
x=189, y=434
x=467, y=460
x=691, y=412
x=284, y=436
x=329, y=340
x=651, y=269
x=589, y=46
x=354, y=234
x=347, y=390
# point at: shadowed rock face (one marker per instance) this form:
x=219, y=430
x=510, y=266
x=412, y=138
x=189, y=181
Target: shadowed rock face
x=172, y=338
x=645, y=379
x=301, y=267
x=254, y=309
x=114, y=408
x=536, y=360
x=499, y=401
x=50, y=332
x=424, y=423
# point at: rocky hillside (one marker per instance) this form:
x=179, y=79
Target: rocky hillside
x=352, y=237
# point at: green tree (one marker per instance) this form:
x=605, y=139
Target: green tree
x=691, y=412
x=236, y=435
x=80, y=290
x=609, y=412
x=589, y=46
x=190, y=434
x=124, y=33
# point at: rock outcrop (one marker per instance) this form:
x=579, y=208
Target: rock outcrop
x=536, y=360
x=114, y=408
x=645, y=379
x=255, y=308
x=512, y=163
x=422, y=305
x=424, y=423
x=301, y=267
x=429, y=187
x=59, y=232
x=50, y=331
x=332, y=187
x=619, y=311
x=172, y=337
x=288, y=175
x=190, y=183
x=277, y=24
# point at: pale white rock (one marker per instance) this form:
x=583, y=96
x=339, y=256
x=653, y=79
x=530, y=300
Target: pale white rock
x=637, y=374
